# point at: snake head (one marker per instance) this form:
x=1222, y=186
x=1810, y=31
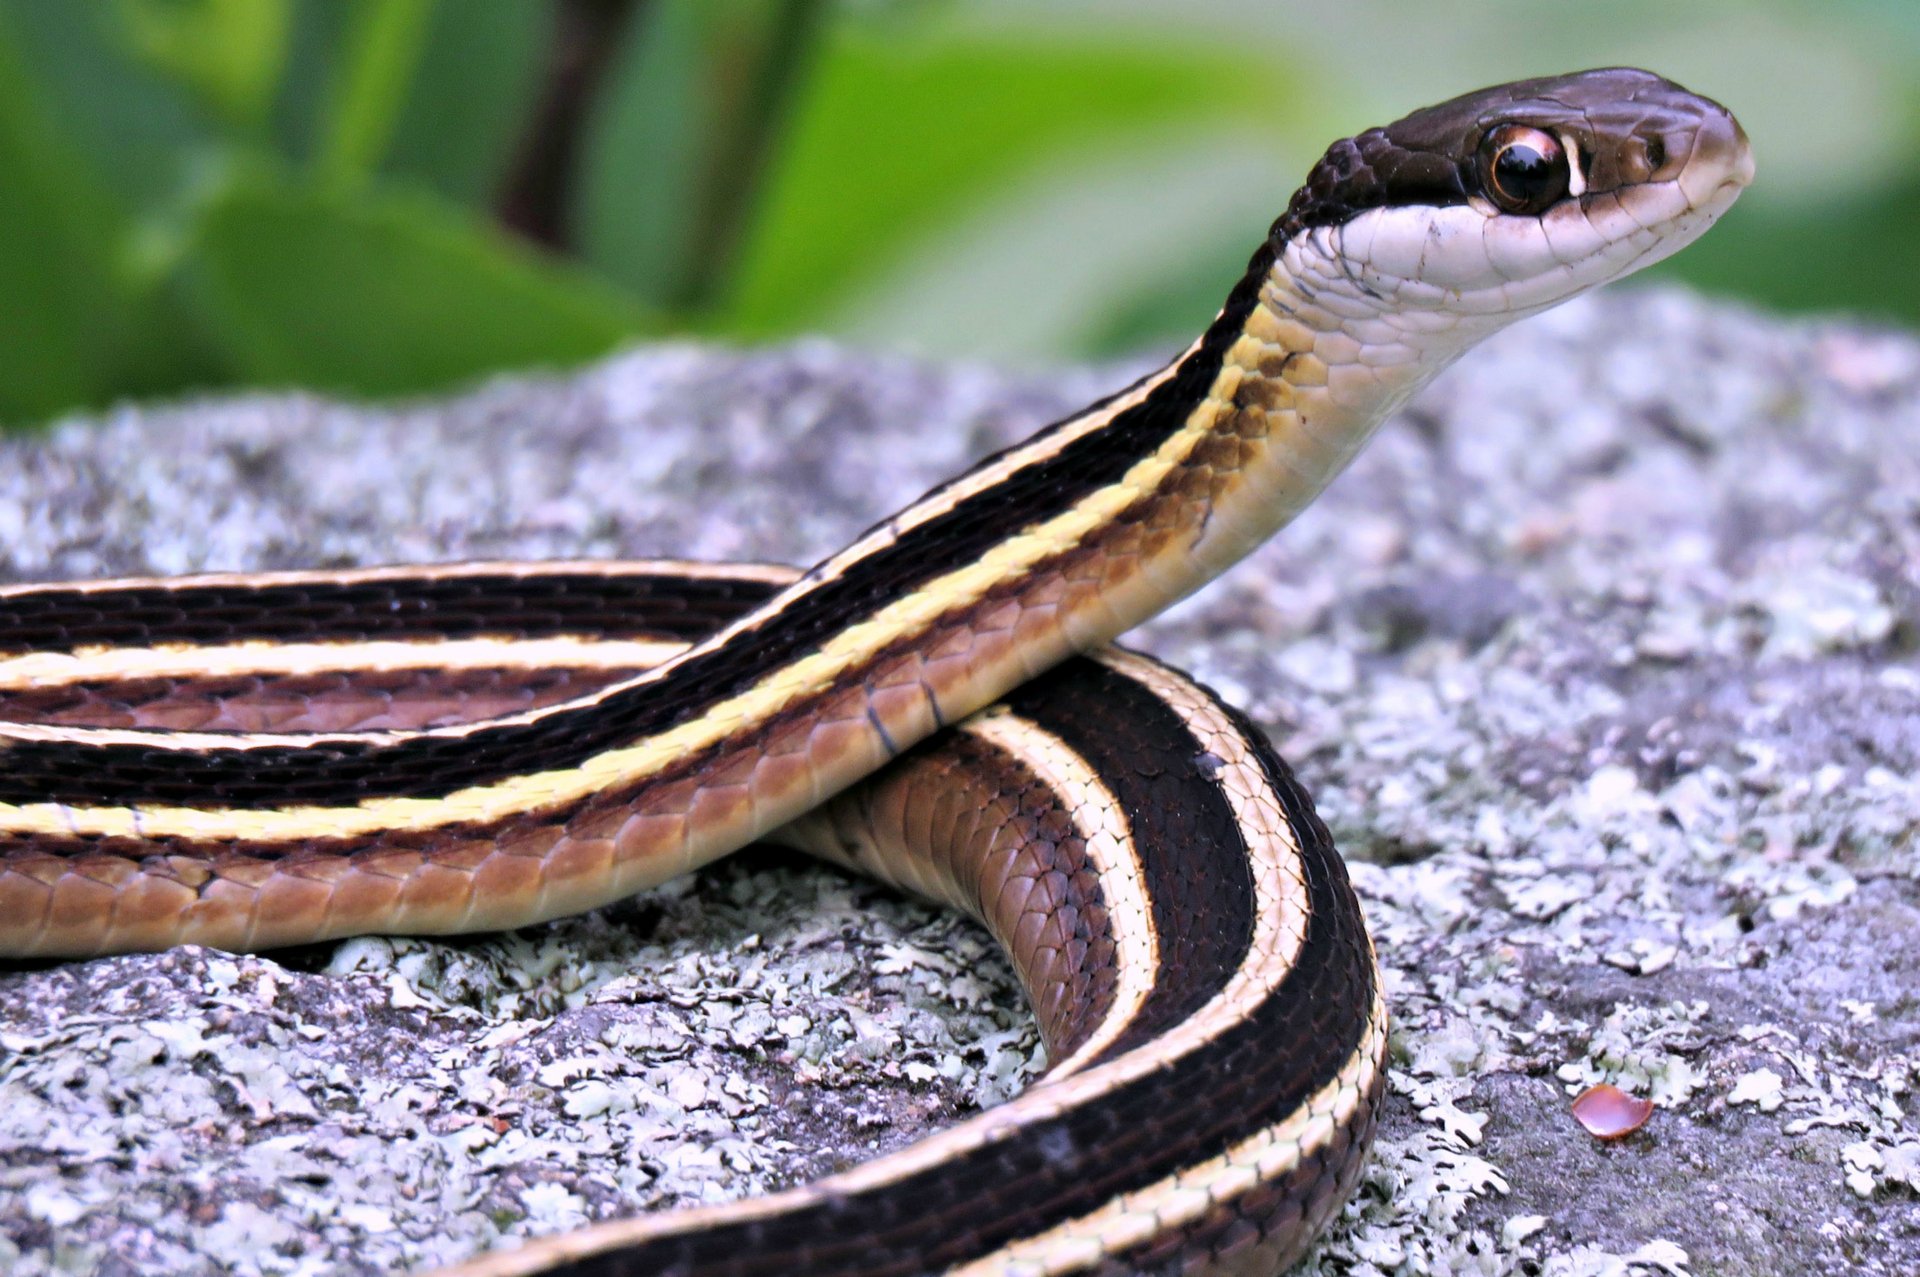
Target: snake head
x=1505, y=201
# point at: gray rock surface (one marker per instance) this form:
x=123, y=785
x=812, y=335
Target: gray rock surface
x=1600, y=664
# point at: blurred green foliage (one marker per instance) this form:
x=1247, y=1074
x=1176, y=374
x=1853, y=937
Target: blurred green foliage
x=392, y=196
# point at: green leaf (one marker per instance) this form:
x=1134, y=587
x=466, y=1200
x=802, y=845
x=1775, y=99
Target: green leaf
x=229, y=53
x=132, y=127
x=385, y=294
x=904, y=131
x=381, y=54
x=641, y=161
x=64, y=302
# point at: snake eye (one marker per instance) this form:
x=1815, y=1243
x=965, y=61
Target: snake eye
x=1522, y=169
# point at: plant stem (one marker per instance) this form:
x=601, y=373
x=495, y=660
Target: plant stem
x=384, y=42
x=536, y=198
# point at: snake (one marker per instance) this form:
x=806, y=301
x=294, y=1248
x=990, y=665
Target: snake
x=253, y=760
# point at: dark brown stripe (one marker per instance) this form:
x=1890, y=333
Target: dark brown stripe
x=1148, y=757
x=1270, y=1226
x=538, y=605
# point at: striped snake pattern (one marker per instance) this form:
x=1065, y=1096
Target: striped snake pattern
x=254, y=760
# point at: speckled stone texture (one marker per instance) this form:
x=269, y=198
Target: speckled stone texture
x=1600, y=664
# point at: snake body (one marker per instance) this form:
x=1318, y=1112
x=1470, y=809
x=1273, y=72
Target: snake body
x=251, y=761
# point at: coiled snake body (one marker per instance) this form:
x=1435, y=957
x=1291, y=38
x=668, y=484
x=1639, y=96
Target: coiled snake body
x=251, y=761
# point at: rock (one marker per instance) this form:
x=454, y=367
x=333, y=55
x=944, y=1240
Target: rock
x=1600, y=664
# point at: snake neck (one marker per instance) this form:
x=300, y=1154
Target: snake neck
x=1289, y=383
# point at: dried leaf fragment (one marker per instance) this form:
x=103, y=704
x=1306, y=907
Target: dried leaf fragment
x=1609, y=1113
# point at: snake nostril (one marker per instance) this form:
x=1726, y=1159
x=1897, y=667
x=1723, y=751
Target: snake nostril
x=1656, y=154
